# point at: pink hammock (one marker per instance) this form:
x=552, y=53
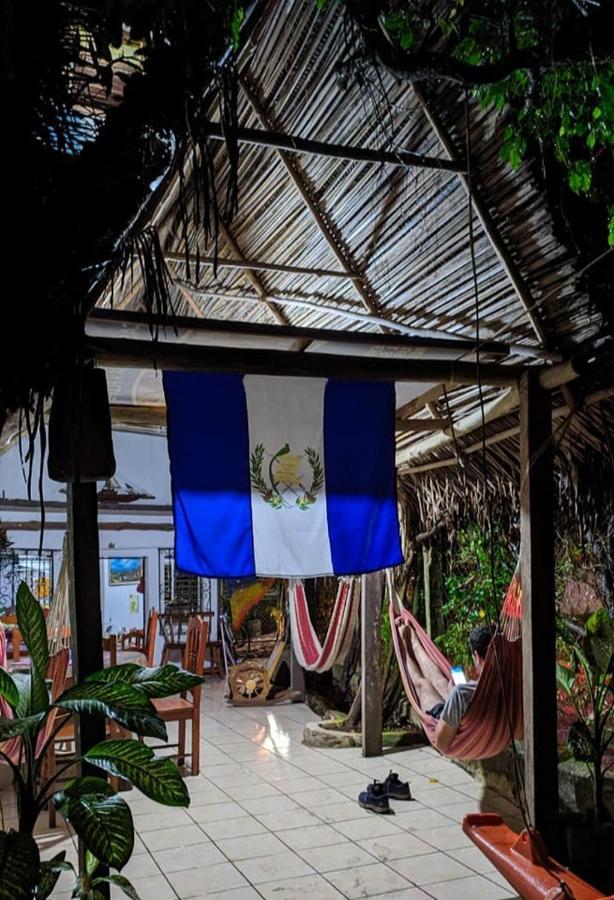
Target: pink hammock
x=311, y=655
x=494, y=715
x=58, y=665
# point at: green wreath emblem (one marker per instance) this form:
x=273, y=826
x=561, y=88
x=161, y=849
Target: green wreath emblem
x=269, y=490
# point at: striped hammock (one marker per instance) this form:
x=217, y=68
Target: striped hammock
x=494, y=715
x=311, y=655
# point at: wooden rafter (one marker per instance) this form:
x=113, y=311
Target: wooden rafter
x=294, y=171
x=558, y=413
x=373, y=318
x=409, y=425
x=126, y=353
x=252, y=277
x=257, y=265
x=293, y=144
x=488, y=223
x=418, y=403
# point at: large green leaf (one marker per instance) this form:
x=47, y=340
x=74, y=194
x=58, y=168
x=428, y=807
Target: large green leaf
x=121, y=882
x=8, y=689
x=120, y=702
x=600, y=629
x=50, y=871
x=101, y=819
x=33, y=696
x=19, y=865
x=156, y=777
x=31, y=623
x=19, y=727
x=163, y=681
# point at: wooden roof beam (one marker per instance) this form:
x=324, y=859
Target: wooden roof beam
x=289, y=143
x=412, y=425
x=294, y=171
x=371, y=317
x=126, y=353
x=257, y=265
x=241, y=329
x=488, y=223
x=252, y=277
x=558, y=413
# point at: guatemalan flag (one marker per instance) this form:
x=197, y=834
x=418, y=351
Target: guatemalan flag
x=281, y=476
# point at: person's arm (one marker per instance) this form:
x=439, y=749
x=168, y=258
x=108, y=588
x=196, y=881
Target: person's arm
x=450, y=719
x=444, y=735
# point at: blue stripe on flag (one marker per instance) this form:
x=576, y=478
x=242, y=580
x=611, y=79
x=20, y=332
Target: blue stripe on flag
x=209, y=453
x=359, y=455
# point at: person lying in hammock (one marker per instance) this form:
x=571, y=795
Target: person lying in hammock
x=452, y=712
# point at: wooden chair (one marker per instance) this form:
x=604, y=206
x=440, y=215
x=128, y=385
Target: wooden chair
x=181, y=710
x=132, y=640
x=109, y=645
x=150, y=638
x=174, y=629
x=15, y=645
x=143, y=642
x=56, y=672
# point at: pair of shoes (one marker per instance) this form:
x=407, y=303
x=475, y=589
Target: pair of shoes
x=377, y=795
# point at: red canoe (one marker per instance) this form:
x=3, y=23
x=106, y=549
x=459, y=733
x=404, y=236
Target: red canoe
x=523, y=860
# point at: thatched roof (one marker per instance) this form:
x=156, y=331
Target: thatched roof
x=346, y=244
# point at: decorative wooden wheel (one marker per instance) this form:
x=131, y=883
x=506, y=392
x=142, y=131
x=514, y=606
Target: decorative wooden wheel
x=249, y=681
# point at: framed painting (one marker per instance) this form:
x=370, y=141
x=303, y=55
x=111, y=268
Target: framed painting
x=125, y=570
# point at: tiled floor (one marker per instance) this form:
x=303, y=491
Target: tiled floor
x=270, y=818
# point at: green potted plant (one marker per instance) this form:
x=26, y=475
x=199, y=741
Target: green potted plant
x=588, y=680
x=101, y=819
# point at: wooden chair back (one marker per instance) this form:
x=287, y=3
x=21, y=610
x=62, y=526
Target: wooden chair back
x=194, y=651
x=150, y=638
x=133, y=640
x=18, y=648
x=109, y=644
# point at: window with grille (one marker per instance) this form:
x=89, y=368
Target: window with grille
x=180, y=590
x=35, y=568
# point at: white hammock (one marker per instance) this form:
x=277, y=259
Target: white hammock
x=311, y=655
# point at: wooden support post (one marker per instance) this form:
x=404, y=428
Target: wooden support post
x=538, y=624
x=371, y=684
x=85, y=609
x=297, y=675
x=427, y=553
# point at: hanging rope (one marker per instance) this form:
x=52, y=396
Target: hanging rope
x=58, y=627
x=311, y=655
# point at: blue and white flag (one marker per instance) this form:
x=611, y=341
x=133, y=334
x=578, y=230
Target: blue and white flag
x=282, y=476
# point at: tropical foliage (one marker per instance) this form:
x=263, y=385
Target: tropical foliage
x=101, y=819
x=475, y=562
x=103, y=99
x=586, y=676
x=547, y=67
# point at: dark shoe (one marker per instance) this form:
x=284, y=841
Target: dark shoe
x=375, y=799
x=397, y=789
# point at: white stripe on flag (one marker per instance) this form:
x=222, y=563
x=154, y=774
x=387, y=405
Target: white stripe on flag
x=287, y=414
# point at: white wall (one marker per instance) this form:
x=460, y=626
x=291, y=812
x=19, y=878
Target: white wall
x=142, y=459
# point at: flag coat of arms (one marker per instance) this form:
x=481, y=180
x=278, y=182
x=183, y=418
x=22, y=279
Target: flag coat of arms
x=282, y=476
